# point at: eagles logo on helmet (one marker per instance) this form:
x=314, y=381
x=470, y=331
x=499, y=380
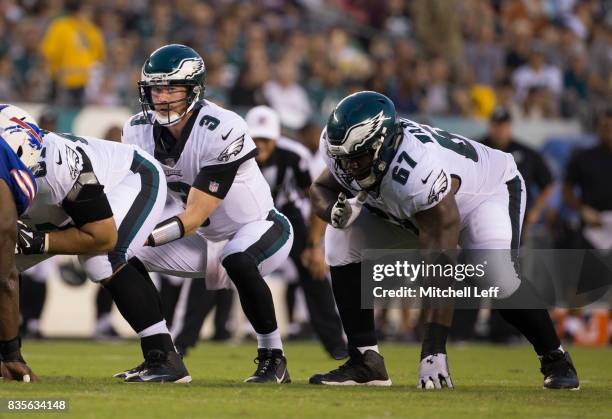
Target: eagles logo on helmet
x=361, y=135
x=171, y=65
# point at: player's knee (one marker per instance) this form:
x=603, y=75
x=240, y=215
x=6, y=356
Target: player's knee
x=240, y=266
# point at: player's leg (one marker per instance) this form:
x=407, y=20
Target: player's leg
x=256, y=250
x=343, y=248
x=194, y=304
x=497, y=225
x=317, y=293
x=137, y=204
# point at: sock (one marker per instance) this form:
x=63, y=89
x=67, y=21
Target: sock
x=536, y=326
x=104, y=303
x=270, y=340
x=358, y=323
x=103, y=324
x=254, y=293
x=434, y=339
x=139, y=304
x=363, y=349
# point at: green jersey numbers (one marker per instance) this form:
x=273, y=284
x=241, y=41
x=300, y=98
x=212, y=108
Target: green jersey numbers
x=453, y=142
x=400, y=174
x=210, y=121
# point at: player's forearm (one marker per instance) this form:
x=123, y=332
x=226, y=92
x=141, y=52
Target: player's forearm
x=322, y=199
x=74, y=241
x=9, y=287
x=316, y=230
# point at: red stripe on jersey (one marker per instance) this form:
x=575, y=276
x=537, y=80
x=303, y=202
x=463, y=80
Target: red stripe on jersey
x=22, y=185
x=29, y=128
x=28, y=181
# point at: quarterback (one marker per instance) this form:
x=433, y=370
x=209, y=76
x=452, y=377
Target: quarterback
x=209, y=161
x=451, y=191
x=99, y=200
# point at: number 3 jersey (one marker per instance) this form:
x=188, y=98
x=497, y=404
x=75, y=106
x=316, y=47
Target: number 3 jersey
x=215, y=155
x=419, y=174
x=64, y=158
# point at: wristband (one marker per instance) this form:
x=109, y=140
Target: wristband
x=10, y=350
x=166, y=231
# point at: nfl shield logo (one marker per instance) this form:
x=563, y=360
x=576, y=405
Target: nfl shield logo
x=213, y=186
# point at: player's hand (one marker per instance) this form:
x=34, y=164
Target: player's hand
x=314, y=260
x=17, y=371
x=345, y=211
x=434, y=372
x=29, y=242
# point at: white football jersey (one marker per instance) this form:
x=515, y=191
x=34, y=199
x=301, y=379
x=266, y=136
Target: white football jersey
x=219, y=137
x=63, y=158
x=419, y=175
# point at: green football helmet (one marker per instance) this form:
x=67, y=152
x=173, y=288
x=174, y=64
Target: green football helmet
x=171, y=65
x=361, y=136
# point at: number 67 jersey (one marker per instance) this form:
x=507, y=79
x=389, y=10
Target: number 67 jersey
x=419, y=174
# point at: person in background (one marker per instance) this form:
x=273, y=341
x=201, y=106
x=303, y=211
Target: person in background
x=286, y=166
x=530, y=164
x=72, y=45
x=586, y=189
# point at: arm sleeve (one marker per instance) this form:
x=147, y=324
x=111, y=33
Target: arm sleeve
x=90, y=205
x=216, y=180
x=18, y=177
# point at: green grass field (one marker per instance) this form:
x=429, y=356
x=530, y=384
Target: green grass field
x=491, y=381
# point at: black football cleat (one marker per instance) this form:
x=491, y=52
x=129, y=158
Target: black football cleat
x=128, y=373
x=366, y=369
x=161, y=367
x=559, y=371
x=271, y=367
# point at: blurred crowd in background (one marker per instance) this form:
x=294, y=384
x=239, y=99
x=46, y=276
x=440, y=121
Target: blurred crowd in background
x=539, y=58
x=501, y=61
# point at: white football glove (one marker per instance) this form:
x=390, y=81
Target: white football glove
x=345, y=211
x=433, y=372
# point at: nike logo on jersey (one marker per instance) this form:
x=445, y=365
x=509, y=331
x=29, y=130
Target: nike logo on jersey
x=59, y=158
x=224, y=137
x=427, y=178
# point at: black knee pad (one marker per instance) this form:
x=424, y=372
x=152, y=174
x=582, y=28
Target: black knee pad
x=240, y=266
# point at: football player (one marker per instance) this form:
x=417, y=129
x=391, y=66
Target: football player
x=17, y=190
x=99, y=200
x=209, y=161
x=451, y=191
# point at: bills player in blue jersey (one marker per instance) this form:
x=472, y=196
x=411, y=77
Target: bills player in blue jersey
x=17, y=189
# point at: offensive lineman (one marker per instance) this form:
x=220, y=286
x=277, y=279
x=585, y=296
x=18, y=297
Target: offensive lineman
x=208, y=157
x=404, y=173
x=99, y=200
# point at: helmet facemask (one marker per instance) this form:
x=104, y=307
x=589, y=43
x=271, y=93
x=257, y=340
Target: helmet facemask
x=163, y=113
x=360, y=166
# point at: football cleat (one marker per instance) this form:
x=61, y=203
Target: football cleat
x=559, y=371
x=366, y=369
x=271, y=367
x=434, y=372
x=161, y=367
x=128, y=373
